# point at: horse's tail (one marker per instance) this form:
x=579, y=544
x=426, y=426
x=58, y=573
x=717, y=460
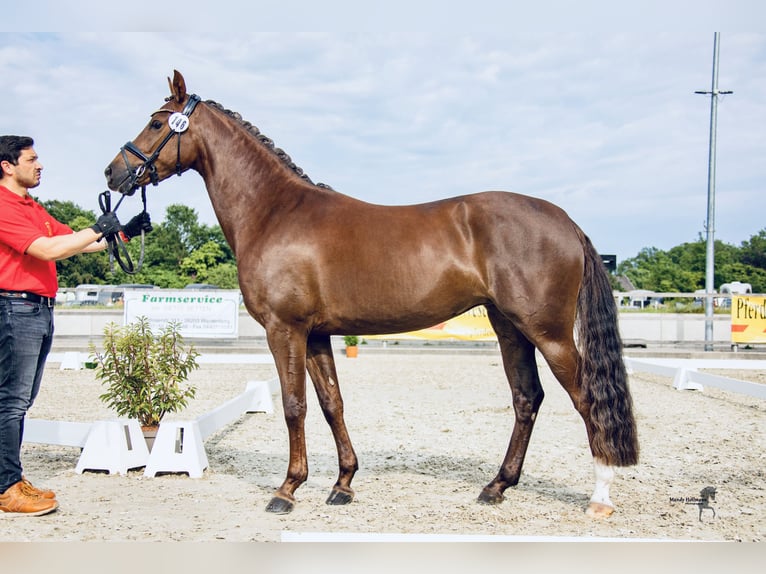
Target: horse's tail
x=603, y=375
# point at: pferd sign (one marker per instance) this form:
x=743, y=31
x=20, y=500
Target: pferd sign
x=748, y=319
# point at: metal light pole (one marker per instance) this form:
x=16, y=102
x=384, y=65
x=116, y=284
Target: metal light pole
x=710, y=223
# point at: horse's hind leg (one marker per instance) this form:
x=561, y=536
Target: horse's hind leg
x=563, y=359
x=321, y=368
x=527, y=392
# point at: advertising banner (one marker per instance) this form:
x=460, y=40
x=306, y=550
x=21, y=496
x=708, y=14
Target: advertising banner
x=473, y=325
x=203, y=314
x=748, y=319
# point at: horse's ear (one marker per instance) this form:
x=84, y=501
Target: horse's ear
x=177, y=86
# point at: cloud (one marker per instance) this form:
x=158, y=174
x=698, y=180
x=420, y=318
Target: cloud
x=605, y=125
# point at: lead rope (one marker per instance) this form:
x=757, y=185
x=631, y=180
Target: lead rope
x=118, y=251
x=143, y=233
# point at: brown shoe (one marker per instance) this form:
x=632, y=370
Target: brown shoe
x=28, y=488
x=17, y=500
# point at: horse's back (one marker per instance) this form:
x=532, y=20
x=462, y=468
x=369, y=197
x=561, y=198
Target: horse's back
x=483, y=218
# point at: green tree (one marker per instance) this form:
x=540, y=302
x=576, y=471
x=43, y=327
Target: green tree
x=182, y=221
x=200, y=261
x=652, y=269
x=683, y=267
x=753, y=251
x=68, y=211
x=209, y=264
x=742, y=272
x=224, y=275
x=179, y=251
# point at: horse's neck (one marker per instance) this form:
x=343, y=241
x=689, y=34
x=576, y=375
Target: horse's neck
x=245, y=181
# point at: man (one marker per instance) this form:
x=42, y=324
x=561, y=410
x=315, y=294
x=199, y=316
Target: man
x=31, y=241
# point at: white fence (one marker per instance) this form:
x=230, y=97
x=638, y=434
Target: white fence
x=117, y=446
x=687, y=375
x=634, y=326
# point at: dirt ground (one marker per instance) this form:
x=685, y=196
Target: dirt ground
x=430, y=430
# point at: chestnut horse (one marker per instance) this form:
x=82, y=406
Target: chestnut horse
x=304, y=278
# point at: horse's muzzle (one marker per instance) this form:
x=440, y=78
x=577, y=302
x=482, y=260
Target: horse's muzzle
x=120, y=179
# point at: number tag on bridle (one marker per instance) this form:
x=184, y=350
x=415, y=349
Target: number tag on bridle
x=178, y=122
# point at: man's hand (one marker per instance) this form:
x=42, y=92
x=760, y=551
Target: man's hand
x=107, y=224
x=135, y=226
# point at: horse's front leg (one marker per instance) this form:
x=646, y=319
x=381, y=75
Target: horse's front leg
x=289, y=350
x=321, y=367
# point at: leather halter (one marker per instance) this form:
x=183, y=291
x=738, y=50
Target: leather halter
x=116, y=246
x=148, y=162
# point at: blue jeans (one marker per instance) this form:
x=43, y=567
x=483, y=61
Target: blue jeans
x=26, y=334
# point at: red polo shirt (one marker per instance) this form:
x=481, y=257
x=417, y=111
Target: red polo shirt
x=22, y=220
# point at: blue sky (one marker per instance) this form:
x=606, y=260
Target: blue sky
x=604, y=124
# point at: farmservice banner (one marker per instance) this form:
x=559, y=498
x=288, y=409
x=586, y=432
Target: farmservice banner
x=207, y=314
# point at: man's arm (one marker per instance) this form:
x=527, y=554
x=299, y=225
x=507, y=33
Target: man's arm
x=68, y=244
x=63, y=246
x=98, y=245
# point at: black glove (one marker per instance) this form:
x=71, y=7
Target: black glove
x=135, y=226
x=107, y=224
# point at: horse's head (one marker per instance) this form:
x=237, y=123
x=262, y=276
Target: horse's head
x=148, y=158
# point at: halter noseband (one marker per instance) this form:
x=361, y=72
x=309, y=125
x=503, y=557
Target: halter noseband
x=135, y=173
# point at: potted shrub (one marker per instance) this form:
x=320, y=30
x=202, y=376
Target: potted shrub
x=145, y=373
x=352, y=342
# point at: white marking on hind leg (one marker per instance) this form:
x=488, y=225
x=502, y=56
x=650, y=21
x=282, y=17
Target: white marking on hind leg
x=600, y=503
x=604, y=479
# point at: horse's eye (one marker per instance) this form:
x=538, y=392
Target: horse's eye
x=156, y=124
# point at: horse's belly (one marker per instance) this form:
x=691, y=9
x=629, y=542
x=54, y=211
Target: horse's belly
x=397, y=313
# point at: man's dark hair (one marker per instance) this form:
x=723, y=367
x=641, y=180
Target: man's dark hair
x=11, y=146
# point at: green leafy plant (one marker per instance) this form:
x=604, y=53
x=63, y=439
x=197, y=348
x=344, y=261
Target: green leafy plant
x=351, y=340
x=143, y=372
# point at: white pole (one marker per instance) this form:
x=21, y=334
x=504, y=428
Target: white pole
x=710, y=223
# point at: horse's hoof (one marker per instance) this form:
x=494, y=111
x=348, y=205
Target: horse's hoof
x=339, y=497
x=599, y=510
x=280, y=506
x=489, y=497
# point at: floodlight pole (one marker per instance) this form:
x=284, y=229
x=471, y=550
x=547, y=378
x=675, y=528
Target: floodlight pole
x=710, y=223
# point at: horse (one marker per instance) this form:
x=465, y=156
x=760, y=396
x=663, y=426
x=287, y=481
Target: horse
x=304, y=279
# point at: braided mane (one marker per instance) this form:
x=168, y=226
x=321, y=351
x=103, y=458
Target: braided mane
x=267, y=142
